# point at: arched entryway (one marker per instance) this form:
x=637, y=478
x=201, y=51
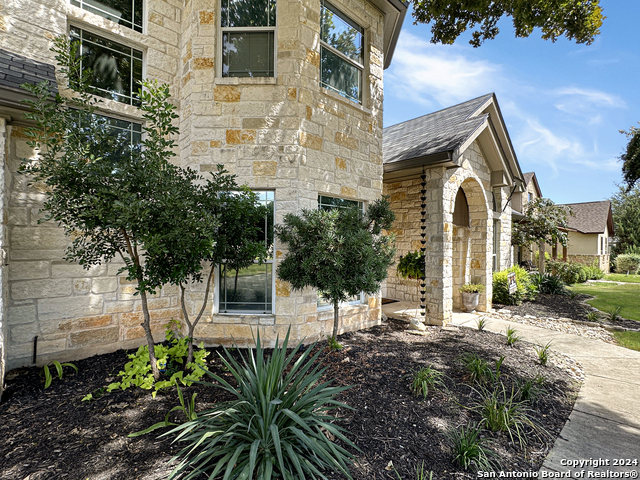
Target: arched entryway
x=469, y=249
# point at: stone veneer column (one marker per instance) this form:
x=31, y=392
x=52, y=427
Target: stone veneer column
x=3, y=243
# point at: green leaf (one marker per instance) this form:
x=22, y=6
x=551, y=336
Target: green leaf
x=47, y=377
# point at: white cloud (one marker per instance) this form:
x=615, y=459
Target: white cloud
x=594, y=97
x=436, y=75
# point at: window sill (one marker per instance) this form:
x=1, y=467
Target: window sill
x=328, y=308
x=344, y=100
x=246, y=81
x=244, y=318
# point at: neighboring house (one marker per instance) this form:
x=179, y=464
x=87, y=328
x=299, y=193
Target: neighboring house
x=450, y=175
x=519, y=201
x=589, y=231
x=287, y=95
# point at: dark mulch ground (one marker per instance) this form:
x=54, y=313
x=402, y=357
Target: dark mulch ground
x=566, y=307
x=50, y=434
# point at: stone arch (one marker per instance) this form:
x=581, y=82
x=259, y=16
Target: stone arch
x=470, y=253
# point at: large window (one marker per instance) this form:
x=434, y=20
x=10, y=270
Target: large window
x=116, y=69
x=331, y=203
x=341, y=53
x=123, y=12
x=250, y=290
x=248, y=37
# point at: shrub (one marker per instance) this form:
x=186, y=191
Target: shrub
x=277, y=426
x=525, y=291
x=628, y=263
x=472, y=288
x=424, y=379
x=469, y=450
x=548, y=283
x=574, y=272
x=170, y=361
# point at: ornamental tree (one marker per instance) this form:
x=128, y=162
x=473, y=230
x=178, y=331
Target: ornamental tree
x=544, y=223
x=340, y=252
x=625, y=208
x=578, y=20
x=631, y=158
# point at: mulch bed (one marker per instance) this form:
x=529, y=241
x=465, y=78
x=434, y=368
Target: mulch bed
x=561, y=306
x=50, y=434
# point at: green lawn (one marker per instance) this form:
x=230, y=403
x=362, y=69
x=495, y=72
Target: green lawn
x=611, y=295
x=621, y=277
x=630, y=340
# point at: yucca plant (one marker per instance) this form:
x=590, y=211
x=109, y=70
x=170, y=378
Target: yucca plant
x=278, y=425
x=469, y=449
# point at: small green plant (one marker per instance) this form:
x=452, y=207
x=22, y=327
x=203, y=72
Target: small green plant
x=614, y=314
x=188, y=409
x=482, y=324
x=543, y=353
x=593, y=316
x=501, y=411
x=95, y=395
x=170, y=361
x=478, y=368
x=277, y=426
x=421, y=474
x=499, y=362
x=573, y=294
x=469, y=449
x=472, y=288
x=426, y=378
x=530, y=390
x=334, y=345
x=512, y=336
x=48, y=378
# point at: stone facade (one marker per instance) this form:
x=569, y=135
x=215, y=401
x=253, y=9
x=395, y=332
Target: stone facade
x=454, y=254
x=284, y=134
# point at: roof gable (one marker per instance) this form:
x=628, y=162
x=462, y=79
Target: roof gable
x=591, y=217
x=528, y=177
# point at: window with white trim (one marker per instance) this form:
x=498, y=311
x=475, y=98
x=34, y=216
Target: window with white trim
x=123, y=132
x=250, y=290
x=116, y=69
x=331, y=203
x=123, y=12
x=247, y=46
x=341, y=53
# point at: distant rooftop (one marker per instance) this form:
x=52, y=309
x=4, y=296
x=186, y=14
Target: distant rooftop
x=591, y=217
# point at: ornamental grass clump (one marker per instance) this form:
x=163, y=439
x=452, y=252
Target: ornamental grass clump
x=277, y=426
x=426, y=378
x=469, y=450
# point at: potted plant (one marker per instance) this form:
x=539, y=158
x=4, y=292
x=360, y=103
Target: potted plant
x=470, y=295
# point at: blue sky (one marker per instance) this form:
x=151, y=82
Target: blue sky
x=563, y=103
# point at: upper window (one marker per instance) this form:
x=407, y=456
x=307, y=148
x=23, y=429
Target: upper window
x=116, y=69
x=123, y=12
x=248, y=32
x=250, y=290
x=122, y=131
x=530, y=196
x=341, y=53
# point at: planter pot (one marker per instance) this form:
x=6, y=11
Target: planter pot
x=470, y=301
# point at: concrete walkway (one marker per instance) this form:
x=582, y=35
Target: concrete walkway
x=605, y=423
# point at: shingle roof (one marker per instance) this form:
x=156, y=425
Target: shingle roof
x=438, y=132
x=590, y=217
x=16, y=70
x=527, y=179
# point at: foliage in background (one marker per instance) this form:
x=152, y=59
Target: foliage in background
x=574, y=272
x=472, y=288
x=578, y=20
x=277, y=426
x=525, y=291
x=58, y=366
x=171, y=362
x=542, y=224
x=628, y=264
x=548, y=283
x=340, y=252
x=625, y=210
x=631, y=158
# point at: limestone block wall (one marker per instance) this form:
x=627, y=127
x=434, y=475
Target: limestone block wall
x=73, y=312
x=285, y=134
x=445, y=242
x=3, y=269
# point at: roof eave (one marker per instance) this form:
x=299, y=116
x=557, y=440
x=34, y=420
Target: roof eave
x=441, y=158
x=394, y=12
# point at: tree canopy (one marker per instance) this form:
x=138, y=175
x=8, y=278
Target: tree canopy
x=340, y=252
x=625, y=207
x=578, y=20
x=631, y=158
x=544, y=222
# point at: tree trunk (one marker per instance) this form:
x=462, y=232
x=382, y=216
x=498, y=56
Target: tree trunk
x=541, y=257
x=336, y=319
x=146, y=325
x=192, y=326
